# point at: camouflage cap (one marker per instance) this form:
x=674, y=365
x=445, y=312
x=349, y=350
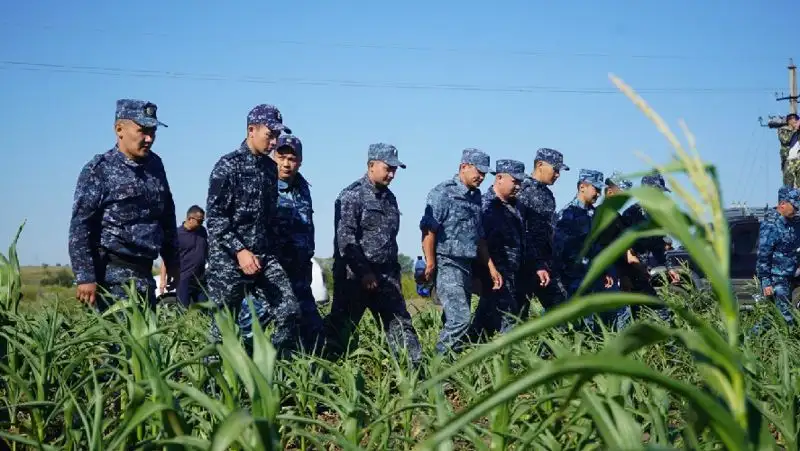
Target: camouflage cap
x=513, y=168
x=552, y=157
x=791, y=195
x=269, y=115
x=595, y=178
x=140, y=111
x=616, y=179
x=386, y=153
x=292, y=142
x=656, y=181
x=477, y=158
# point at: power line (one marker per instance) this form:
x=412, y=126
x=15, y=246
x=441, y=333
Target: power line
x=430, y=49
x=151, y=73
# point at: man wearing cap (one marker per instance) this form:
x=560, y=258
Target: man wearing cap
x=452, y=240
x=366, y=271
x=242, y=202
x=572, y=228
x=539, y=210
x=293, y=232
x=778, y=241
x=504, y=232
x=789, y=137
x=123, y=215
x=650, y=248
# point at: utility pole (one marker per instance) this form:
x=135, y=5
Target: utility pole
x=780, y=121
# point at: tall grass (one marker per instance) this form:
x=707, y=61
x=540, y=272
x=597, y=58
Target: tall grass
x=136, y=379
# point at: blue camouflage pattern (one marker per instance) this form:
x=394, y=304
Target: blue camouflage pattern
x=552, y=157
x=656, y=181
x=269, y=115
x=140, y=111
x=778, y=243
x=792, y=196
x=573, y=227
x=454, y=291
x=292, y=142
x=781, y=296
x=386, y=153
x=616, y=179
x=514, y=168
x=121, y=207
x=592, y=177
x=477, y=158
x=504, y=231
x=242, y=200
x=539, y=210
x=453, y=213
x=366, y=223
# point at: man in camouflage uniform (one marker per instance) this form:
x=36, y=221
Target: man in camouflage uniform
x=293, y=231
x=366, y=270
x=242, y=200
x=646, y=251
x=452, y=240
x=572, y=229
x=123, y=214
x=538, y=206
x=788, y=135
x=504, y=232
x=778, y=242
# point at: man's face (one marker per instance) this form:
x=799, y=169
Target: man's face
x=506, y=186
x=381, y=173
x=589, y=193
x=194, y=220
x=786, y=209
x=612, y=191
x=262, y=139
x=794, y=123
x=134, y=140
x=549, y=174
x=471, y=176
x=287, y=161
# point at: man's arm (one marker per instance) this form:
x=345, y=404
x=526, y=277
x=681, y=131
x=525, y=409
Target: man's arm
x=346, y=234
x=84, y=226
x=432, y=220
x=219, y=208
x=162, y=284
x=766, y=246
x=169, y=225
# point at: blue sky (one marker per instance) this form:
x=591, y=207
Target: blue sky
x=431, y=78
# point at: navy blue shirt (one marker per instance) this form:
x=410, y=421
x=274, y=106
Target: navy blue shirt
x=193, y=251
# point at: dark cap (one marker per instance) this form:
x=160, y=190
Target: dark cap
x=386, y=153
x=140, y=111
x=292, y=142
x=477, y=158
x=268, y=115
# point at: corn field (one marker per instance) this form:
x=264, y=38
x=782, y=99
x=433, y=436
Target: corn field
x=136, y=379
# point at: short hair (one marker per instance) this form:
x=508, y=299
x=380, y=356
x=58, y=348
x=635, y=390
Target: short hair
x=195, y=209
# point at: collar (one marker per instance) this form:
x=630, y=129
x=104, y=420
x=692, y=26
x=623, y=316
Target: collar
x=120, y=157
x=460, y=187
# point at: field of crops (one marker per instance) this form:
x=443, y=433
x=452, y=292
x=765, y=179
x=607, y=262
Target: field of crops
x=134, y=379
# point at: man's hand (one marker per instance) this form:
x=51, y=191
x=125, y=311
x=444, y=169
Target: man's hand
x=674, y=276
x=430, y=269
x=496, y=278
x=174, y=276
x=768, y=291
x=544, y=277
x=248, y=262
x=369, y=282
x=86, y=292
x=631, y=257
x=609, y=282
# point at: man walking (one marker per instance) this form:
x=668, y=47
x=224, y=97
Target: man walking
x=193, y=251
x=242, y=199
x=123, y=214
x=366, y=270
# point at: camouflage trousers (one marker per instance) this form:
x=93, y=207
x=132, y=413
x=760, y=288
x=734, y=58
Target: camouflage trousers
x=454, y=291
x=496, y=308
x=269, y=290
x=790, y=170
x=782, y=297
x=310, y=322
x=530, y=285
x=114, y=282
x=388, y=307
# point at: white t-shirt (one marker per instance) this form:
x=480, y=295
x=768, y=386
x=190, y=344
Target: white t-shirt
x=318, y=287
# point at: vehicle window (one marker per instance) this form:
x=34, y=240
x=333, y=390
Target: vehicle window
x=744, y=239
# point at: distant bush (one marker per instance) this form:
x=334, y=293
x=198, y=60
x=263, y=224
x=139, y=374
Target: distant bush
x=60, y=278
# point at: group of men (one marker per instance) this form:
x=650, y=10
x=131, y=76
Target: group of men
x=259, y=238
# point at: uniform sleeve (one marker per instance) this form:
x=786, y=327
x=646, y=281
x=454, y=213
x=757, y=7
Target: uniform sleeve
x=349, y=212
x=766, y=247
x=539, y=237
x=568, y=238
x=169, y=225
x=84, y=225
x=435, y=212
x=272, y=205
x=219, y=208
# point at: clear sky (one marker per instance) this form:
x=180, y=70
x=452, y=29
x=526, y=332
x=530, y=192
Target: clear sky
x=431, y=78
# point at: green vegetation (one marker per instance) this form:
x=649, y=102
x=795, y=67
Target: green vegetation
x=134, y=379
